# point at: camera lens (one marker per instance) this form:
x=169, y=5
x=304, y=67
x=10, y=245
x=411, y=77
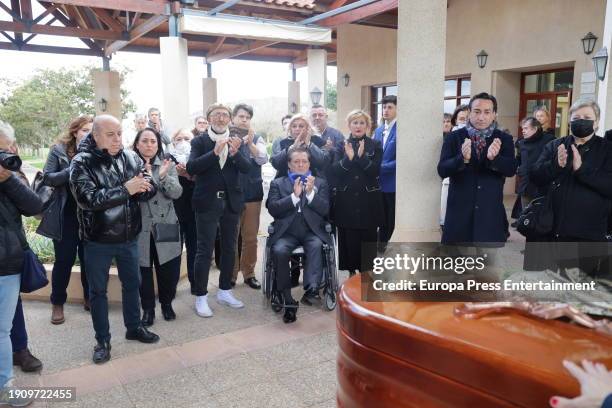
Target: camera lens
x=10, y=161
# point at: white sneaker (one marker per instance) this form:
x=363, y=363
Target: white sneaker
x=226, y=297
x=201, y=306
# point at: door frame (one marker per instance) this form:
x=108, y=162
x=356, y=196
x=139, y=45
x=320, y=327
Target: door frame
x=541, y=95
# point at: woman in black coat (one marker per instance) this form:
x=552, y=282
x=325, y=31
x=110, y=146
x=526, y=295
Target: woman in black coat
x=578, y=168
x=180, y=150
x=358, y=198
x=529, y=149
x=59, y=220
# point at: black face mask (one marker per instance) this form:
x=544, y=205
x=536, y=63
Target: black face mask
x=582, y=127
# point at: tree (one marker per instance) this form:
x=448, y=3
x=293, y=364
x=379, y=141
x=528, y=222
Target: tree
x=331, y=95
x=41, y=107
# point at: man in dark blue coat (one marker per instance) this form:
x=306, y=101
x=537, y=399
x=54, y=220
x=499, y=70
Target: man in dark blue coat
x=477, y=158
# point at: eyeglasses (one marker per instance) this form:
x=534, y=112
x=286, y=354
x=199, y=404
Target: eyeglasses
x=220, y=115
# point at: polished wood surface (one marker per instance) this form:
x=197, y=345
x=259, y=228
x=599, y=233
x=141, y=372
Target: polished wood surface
x=406, y=354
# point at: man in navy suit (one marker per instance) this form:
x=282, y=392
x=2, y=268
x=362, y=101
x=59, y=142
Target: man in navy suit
x=386, y=135
x=299, y=204
x=477, y=158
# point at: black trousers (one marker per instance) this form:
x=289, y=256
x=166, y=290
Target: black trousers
x=167, y=276
x=298, y=234
x=190, y=239
x=220, y=215
x=356, y=249
x=386, y=231
x=66, y=252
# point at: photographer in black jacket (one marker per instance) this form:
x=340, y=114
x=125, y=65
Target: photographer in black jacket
x=107, y=183
x=16, y=199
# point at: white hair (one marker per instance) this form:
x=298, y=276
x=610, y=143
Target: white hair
x=7, y=131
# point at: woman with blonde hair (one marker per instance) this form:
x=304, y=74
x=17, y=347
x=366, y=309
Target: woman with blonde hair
x=358, y=208
x=59, y=221
x=301, y=134
x=542, y=114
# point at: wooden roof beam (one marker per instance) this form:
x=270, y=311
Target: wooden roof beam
x=60, y=31
x=135, y=34
x=360, y=13
x=142, y=6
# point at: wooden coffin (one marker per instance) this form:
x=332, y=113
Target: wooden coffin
x=403, y=354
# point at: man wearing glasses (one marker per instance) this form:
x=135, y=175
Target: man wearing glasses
x=216, y=160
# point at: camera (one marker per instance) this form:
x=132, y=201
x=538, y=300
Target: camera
x=9, y=161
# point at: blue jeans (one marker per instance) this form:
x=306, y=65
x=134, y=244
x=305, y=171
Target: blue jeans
x=98, y=259
x=9, y=292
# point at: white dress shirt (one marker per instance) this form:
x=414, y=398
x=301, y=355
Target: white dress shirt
x=309, y=197
x=387, y=130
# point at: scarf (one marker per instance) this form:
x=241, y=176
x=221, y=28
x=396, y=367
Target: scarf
x=293, y=176
x=215, y=137
x=479, y=137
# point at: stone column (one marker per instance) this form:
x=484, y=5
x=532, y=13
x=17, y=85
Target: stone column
x=317, y=72
x=209, y=92
x=604, y=94
x=107, y=88
x=175, y=88
x=420, y=67
x=293, y=97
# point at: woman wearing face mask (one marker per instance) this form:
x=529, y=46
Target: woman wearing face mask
x=460, y=117
x=180, y=149
x=358, y=198
x=578, y=168
x=166, y=256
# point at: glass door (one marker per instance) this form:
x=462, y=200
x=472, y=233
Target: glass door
x=552, y=89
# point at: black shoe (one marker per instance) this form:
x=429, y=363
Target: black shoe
x=102, y=353
x=27, y=362
x=142, y=335
x=253, y=283
x=311, y=297
x=168, y=312
x=148, y=317
x=290, y=314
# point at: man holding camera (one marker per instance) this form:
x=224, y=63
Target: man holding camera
x=108, y=182
x=16, y=199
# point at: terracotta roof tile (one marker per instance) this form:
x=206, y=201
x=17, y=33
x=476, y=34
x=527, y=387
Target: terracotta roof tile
x=308, y=4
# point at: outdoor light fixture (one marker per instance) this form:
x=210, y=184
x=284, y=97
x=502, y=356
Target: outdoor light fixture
x=293, y=107
x=347, y=79
x=600, y=61
x=588, y=43
x=315, y=95
x=481, y=58
x=102, y=104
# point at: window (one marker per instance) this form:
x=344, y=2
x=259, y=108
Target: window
x=457, y=90
x=379, y=92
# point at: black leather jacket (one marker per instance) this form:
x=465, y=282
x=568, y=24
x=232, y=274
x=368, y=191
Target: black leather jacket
x=106, y=211
x=17, y=199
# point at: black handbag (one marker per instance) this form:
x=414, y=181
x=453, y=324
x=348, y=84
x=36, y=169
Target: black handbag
x=538, y=217
x=164, y=232
x=33, y=274
x=44, y=192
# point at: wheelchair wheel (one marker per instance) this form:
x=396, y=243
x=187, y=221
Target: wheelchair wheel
x=330, y=299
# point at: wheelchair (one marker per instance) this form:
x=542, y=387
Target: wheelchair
x=329, y=283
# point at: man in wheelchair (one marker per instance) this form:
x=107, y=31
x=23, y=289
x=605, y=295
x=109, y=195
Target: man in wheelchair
x=299, y=204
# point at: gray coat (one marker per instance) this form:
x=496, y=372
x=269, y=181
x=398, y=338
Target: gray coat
x=159, y=209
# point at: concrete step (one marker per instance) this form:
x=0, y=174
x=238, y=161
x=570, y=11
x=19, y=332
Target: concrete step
x=75, y=289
